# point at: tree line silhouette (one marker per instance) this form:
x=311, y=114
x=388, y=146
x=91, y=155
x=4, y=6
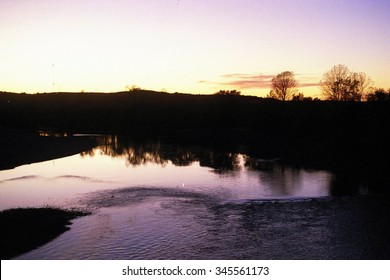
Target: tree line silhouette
x=337, y=84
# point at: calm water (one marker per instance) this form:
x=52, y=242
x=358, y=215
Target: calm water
x=155, y=201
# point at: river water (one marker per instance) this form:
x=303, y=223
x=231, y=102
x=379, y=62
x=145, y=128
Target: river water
x=156, y=201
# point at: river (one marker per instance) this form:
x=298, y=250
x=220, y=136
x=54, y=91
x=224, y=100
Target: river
x=162, y=201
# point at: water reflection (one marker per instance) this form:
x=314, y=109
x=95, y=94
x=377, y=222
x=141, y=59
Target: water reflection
x=136, y=153
x=195, y=202
x=244, y=176
x=141, y=153
x=284, y=179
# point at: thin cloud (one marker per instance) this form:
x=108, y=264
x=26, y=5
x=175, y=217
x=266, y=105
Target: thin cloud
x=317, y=84
x=243, y=81
x=307, y=80
x=250, y=81
x=261, y=81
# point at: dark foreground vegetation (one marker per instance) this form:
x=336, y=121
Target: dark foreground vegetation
x=349, y=138
x=24, y=229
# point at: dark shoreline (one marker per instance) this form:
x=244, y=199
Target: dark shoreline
x=18, y=147
x=24, y=229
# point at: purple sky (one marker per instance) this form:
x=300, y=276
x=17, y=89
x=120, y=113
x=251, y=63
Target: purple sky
x=193, y=46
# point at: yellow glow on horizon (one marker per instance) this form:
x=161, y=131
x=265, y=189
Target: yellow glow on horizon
x=106, y=45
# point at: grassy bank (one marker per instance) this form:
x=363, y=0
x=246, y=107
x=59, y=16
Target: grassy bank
x=24, y=229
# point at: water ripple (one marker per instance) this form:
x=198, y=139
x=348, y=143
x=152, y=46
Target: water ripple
x=177, y=224
x=35, y=177
x=127, y=196
x=82, y=178
x=27, y=177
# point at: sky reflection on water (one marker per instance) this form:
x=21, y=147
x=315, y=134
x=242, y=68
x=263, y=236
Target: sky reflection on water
x=114, y=165
x=155, y=201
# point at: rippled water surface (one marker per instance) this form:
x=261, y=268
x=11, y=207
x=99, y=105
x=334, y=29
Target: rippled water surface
x=153, y=201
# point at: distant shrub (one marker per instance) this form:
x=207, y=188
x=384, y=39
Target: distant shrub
x=379, y=95
x=133, y=88
x=228, y=92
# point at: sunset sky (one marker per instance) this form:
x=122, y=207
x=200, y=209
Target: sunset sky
x=192, y=46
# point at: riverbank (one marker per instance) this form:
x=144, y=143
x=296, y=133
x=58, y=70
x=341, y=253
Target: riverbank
x=19, y=147
x=24, y=229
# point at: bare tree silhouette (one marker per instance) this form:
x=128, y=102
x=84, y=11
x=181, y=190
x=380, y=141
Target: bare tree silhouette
x=341, y=84
x=283, y=86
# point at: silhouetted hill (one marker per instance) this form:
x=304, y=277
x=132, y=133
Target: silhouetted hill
x=314, y=133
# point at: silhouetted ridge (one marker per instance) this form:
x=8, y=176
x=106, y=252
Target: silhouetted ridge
x=318, y=133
